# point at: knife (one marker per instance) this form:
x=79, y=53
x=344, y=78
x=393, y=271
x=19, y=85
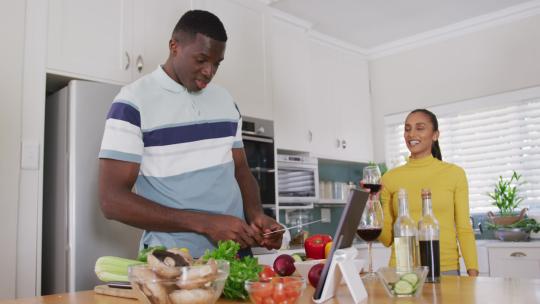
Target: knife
x=287, y=228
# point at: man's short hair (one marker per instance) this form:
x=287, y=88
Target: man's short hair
x=202, y=22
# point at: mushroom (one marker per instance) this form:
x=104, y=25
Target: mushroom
x=184, y=253
x=198, y=276
x=192, y=296
x=146, y=283
x=165, y=264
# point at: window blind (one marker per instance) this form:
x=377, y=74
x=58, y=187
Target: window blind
x=487, y=142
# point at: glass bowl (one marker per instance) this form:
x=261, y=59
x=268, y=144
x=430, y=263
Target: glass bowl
x=403, y=283
x=201, y=283
x=277, y=290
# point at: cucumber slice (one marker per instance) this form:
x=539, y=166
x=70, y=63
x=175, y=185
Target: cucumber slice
x=297, y=257
x=411, y=278
x=403, y=288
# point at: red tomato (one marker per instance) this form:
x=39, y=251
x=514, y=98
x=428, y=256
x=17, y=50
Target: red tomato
x=279, y=295
x=292, y=281
x=292, y=292
x=268, y=301
x=262, y=290
x=266, y=274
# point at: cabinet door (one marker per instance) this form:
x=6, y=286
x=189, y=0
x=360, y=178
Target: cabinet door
x=351, y=95
x=339, y=103
x=323, y=106
x=90, y=39
x=289, y=83
x=153, y=24
x=244, y=71
x=514, y=262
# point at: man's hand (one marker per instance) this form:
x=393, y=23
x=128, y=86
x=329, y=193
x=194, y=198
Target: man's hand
x=264, y=224
x=472, y=272
x=226, y=227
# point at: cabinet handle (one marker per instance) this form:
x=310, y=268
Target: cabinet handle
x=128, y=61
x=310, y=136
x=140, y=63
x=344, y=144
x=338, y=143
x=518, y=254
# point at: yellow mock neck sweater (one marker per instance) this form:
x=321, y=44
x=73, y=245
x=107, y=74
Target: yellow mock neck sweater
x=450, y=199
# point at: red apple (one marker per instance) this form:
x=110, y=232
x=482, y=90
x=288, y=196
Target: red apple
x=314, y=274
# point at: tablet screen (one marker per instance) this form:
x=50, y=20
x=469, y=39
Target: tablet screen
x=346, y=231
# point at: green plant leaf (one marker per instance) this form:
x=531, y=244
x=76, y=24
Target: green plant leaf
x=505, y=194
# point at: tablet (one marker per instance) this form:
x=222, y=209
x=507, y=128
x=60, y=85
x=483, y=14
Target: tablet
x=346, y=231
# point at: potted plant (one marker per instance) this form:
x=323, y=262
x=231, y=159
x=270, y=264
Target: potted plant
x=507, y=199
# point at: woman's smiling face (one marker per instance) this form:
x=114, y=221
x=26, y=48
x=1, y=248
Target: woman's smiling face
x=419, y=134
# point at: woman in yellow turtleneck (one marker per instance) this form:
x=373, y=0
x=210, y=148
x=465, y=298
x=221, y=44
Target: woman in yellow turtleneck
x=449, y=190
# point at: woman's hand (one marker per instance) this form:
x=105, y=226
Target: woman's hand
x=472, y=272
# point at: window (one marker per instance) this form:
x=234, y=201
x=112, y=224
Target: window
x=488, y=137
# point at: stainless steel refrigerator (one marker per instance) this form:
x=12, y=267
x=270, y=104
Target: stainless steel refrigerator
x=75, y=232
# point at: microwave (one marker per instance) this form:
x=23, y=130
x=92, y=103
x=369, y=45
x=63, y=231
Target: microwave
x=298, y=179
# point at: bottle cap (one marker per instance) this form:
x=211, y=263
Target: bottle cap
x=426, y=193
x=402, y=194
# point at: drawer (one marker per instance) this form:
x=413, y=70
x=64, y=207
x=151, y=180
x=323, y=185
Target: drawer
x=514, y=262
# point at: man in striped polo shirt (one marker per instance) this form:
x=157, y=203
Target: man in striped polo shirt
x=176, y=139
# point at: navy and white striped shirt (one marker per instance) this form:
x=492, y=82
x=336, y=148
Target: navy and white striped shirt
x=183, y=142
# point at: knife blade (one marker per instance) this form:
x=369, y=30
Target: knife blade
x=287, y=228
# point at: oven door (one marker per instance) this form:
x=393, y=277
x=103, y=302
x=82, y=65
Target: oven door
x=260, y=157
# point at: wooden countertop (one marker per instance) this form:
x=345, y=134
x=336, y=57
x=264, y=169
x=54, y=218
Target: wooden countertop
x=462, y=290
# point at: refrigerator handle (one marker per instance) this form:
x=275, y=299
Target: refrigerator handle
x=128, y=61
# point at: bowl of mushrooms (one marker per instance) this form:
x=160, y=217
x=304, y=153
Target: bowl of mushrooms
x=173, y=277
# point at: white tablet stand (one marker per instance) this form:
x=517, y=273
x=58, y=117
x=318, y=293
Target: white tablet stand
x=343, y=266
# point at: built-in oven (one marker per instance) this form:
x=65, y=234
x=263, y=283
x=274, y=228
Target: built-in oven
x=258, y=138
x=298, y=181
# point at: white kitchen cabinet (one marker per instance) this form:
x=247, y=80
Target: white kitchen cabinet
x=110, y=40
x=90, y=38
x=514, y=262
x=321, y=95
x=340, y=110
x=288, y=51
x=322, y=109
x=244, y=72
x=153, y=24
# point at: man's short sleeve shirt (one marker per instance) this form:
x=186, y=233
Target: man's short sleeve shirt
x=183, y=142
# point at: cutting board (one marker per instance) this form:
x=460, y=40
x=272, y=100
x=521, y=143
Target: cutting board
x=115, y=292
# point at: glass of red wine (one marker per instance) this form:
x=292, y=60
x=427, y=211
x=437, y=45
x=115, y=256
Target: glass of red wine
x=372, y=178
x=369, y=229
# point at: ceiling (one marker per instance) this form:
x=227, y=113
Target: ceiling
x=371, y=23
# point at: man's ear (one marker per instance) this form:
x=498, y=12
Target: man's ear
x=173, y=46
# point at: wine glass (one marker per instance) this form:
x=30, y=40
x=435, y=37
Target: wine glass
x=369, y=229
x=372, y=178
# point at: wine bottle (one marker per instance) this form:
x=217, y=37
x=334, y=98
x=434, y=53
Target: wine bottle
x=405, y=232
x=428, y=234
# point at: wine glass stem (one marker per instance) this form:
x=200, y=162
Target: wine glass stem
x=370, y=266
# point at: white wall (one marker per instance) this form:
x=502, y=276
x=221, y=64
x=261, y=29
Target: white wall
x=12, y=13
x=498, y=59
